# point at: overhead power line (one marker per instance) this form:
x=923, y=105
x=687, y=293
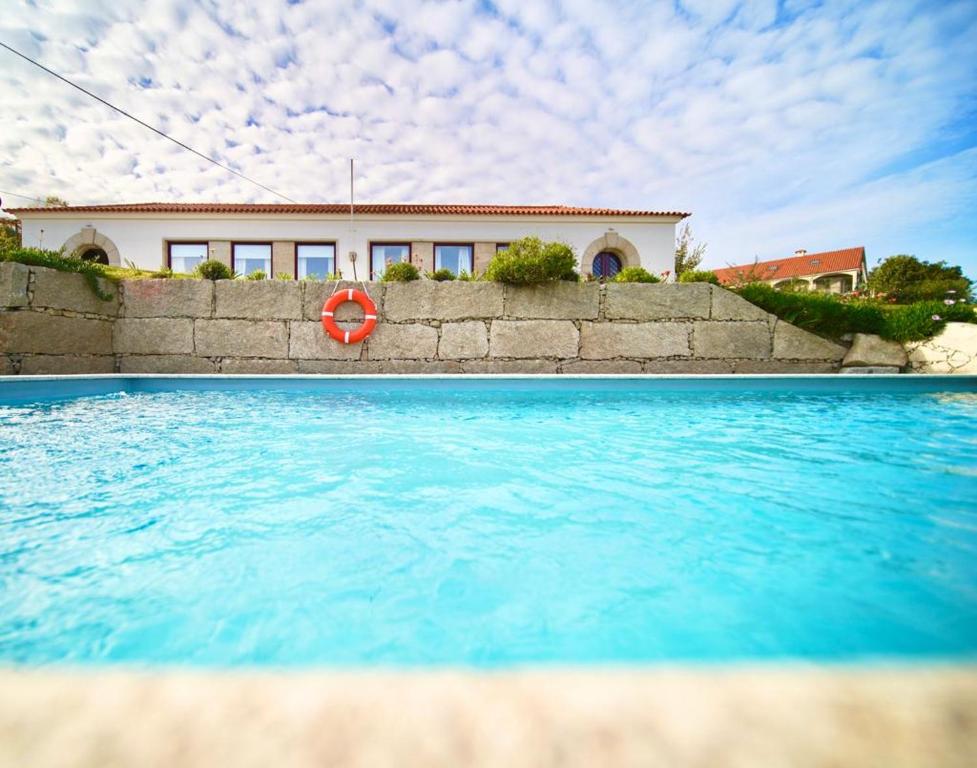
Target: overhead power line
x=22, y=197
x=145, y=124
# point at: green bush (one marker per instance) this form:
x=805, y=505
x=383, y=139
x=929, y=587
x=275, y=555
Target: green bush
x=401, y=272
x=441, y=275
x=283, y=276
x=908, y=279
x=636, y=275
x=698, y=276
x=530, y=261
x=468, y=277
x=832, y=316
x=162, y=273
x=37, y=257
x=256, y=274
x=213, y=270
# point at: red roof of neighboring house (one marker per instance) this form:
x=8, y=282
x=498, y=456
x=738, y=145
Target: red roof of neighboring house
x=795, y=266
x=407, y=209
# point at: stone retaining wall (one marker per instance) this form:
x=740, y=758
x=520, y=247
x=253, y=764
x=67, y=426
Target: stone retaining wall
x=954, y=350
x=51, y=322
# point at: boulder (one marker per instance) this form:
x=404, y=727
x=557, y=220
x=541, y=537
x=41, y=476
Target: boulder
x=867, y=349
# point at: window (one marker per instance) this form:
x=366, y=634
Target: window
x=456, y=258
x=184, y=257
x=315, y=260
x=382, y=254
x=499, y=247
x=606, y=265
x=247, y=257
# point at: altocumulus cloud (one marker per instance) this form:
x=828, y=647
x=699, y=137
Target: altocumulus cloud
x=779, y=124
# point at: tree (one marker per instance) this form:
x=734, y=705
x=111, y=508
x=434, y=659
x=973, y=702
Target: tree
x=53, y=201
x=688, y=254
x=908, y=279
x=9, y=237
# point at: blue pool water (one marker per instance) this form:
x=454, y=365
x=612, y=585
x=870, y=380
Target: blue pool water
x=415, y=523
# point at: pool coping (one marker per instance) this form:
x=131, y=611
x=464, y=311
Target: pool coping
x=751, y=715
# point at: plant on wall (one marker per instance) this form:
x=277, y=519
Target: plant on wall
x=213, y=270
x=401, y=272
x=636, y=275
x=531, y=261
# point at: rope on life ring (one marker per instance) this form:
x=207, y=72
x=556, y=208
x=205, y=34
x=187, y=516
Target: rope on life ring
x=329, y=318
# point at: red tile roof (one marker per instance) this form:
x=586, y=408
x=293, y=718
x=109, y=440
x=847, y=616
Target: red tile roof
x=361, y=209
x=795, y=266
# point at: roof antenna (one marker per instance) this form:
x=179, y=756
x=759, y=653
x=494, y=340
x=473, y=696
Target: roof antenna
x=352, y=253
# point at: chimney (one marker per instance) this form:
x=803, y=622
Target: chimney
x=800, y=252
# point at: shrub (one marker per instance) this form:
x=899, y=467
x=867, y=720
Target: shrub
x=283, y=276
x=636, y=275
x=37, y=257
x=468, y=277
x=907, y=279
x=213, y=270
x=698, y=276
x=441, y=275
x=530, y=261
x=163, y=273
x=256, y=274
x=914, y=322
x=401, y=272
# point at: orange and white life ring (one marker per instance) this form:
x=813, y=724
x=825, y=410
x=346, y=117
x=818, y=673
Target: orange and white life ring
x=329, y=319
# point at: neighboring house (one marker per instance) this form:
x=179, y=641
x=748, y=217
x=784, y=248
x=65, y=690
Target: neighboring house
x=831, y=271
x=319, y=240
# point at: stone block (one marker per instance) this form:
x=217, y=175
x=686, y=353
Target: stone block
x=691, y=367
x=38, y=332
x=240, y=338
x=70, y=291
x=657, y=301
x=166, y=364
x=433, y=300
x=735, y=339
x=503, y=367
x=420, y=366
x=315, y=294
x=464, y=340
x=153, y=336
x=601, y=366
x=13, y=284
x=533, y=338
x=339, y=367
x=402, y=342
x=258, y=365
x=556, y=301
x=870, y=350
x=792, y=343
x=7, y=365
x=603, y=341
x=727, y=305
x=308, y=341
x=783, y=366
x=283, y=259
x=60, y=365
x=168, y=298
x=258, y=299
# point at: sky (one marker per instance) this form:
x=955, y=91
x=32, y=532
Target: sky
x=780, y=124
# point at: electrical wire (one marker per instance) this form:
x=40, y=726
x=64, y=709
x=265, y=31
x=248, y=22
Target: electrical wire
x=145, y=124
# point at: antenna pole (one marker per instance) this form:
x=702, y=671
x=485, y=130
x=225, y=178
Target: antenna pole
x=352, y=253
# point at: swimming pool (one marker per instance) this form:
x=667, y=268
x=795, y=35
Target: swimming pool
x=408, y=521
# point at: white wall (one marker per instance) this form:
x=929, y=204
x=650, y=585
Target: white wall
x=140, y=238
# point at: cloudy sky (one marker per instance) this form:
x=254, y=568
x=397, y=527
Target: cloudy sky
x=780, y=124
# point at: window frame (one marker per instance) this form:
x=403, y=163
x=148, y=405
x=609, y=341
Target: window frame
x=499, y=247
x=236, y=243
x=335, y=254
x=471, y=252
x=404, y=243
x=171, y=243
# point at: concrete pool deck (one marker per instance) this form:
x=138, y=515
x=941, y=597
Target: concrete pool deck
x=804, y=716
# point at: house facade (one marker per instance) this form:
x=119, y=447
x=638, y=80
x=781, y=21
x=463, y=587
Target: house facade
x=841, y=271
x=302, y=241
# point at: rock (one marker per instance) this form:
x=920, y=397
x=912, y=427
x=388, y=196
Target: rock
x=556, y=301
x=240, y=338
x=449, y=300
x=727, y=305
x=871, y=369
x=420, y=366
x=153, y=336
x=464, y=340
x=70, y=291
x=339, y=367
x=783, y=366
x=601, y=366
x=307, y=341
x=258, y=299
x=166, y=364
x=315, y=295
x=871, y=350
x=411, y=341
x=657, y=301
x=503, y=367
x=954, y=350
x=696, y=367
x=602, y=341
x=734, y=339
x=37, y=365
x=13, y=284
x=39, y=332
x=257, y=366
x=533, y=338
x=792, y=343
x=168, y=298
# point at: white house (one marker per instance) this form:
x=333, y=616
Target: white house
x=304, y=240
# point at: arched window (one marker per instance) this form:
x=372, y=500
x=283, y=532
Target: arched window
x=606, y=265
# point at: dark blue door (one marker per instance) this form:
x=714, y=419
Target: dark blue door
x=606, y=265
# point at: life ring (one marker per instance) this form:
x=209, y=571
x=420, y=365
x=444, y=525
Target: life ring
x=369, y=316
